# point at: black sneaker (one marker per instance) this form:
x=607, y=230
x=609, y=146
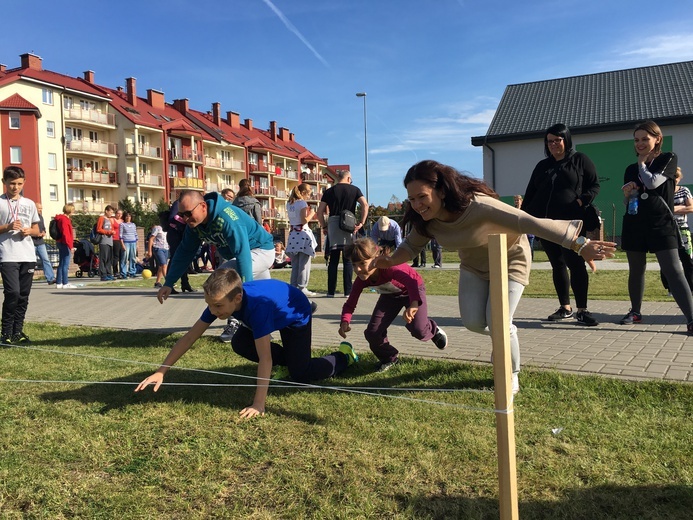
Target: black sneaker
x=440, y=339
x=690, y=328
x=382, y=367
x=6, y=340
x=585, y=318
x=631, y=317
x=20, y=339
x=561, y=314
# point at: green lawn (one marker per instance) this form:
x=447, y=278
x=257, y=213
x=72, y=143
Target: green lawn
x=93, y=450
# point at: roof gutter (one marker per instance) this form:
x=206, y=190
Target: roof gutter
x=493, y=165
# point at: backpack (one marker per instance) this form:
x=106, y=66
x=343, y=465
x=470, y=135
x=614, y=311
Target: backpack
x=94, y=237
x=54, y=230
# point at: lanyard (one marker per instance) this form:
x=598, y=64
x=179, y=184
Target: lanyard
x=14, y=212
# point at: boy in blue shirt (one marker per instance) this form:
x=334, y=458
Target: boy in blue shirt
x=262, y=307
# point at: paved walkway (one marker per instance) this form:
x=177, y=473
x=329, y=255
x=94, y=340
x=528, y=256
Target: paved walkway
x=657, y=349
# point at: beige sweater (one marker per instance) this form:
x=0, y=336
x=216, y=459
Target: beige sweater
x=487, y=216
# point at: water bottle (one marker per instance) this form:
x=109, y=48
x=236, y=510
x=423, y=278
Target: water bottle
x=633, y=202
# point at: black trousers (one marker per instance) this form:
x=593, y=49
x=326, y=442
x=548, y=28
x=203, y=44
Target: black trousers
x=562, y=260
x=16, y=280
x=105, y=260
x=174, y=238
x=117, y=253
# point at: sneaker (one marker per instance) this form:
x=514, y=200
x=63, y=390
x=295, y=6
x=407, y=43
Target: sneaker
x=20, y=339
x=383, y=367
x=313, y=307
x=585, y=318
x=440, y=339
x=280, y=372
x=51, y=282
x=690, y=328
x=5, y=340
x=229, y=331
x=631, y=318
x=346, y=349
x=515, y=384
x=330, y=295
x=59, y=286
x=436, y=266
x=157, y=284
x=69, y=286
x=561, y=314
x=308, y=293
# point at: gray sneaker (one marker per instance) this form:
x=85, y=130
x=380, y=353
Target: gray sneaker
x=382, y=367
x=232, y=325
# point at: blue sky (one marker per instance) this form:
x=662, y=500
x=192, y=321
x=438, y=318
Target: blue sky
x=433, y=72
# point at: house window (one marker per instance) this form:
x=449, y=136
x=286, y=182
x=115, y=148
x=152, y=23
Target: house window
x=74, y=195
x=189, y=172
x=87, y=105
x=53, y=191
x=47, y=96
x=143, y=168
x=15, y=155
x=68, y=102
x=50, y=129
x=172, y=170
x=14, y=121
x=52, y=161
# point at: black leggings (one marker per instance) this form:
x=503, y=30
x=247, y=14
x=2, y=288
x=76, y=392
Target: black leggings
x=562, y=260
x=671, y=267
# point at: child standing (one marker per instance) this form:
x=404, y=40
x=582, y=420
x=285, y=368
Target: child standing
x=262, y=307
x=18, y=223
x=399, y=287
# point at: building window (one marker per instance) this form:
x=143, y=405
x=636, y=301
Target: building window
x=47, y=96
x=14, y=121
x=15, y=155
x=50, y=129
x=53, y=190
x=52, y=161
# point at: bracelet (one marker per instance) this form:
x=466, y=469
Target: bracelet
x=583, y=246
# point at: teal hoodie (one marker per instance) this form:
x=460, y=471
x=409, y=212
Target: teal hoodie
x=230, y=229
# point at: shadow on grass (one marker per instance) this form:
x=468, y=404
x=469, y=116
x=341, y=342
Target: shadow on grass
x=611, y=502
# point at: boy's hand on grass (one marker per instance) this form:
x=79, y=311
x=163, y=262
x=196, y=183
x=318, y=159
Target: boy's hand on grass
x=155, y=379
x=344, y=327
x=252, y=411
x=410, y=312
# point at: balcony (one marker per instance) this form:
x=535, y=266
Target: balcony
x=185, y=154
x=190, y=183
x=312, y=177
x=268, y=191
x=98, y=147
x=94, y=117
x=88, y=176
x=146, y=180
x=143, y=151
x=92, y=206
x=261, y=167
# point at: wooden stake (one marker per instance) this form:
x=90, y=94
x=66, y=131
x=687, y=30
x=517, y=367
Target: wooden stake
x=502, y=373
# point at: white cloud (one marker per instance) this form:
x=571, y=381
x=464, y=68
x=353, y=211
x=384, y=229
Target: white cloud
x=654, y=50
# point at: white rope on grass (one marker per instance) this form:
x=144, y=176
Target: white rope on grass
x=285, y=384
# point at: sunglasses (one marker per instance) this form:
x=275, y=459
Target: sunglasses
x=185, y=215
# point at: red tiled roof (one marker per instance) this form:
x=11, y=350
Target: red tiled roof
x=17, y=102
x=52, y=78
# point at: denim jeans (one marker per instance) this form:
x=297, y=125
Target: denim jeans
x=63, y=263
x=47, y=267
x=127, y=259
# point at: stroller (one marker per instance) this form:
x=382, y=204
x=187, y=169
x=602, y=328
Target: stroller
x=86, y=259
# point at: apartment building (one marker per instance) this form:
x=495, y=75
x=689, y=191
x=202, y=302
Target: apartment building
x=93, y=145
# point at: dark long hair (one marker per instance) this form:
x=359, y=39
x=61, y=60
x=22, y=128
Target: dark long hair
x=459, y=189
x=559, y=130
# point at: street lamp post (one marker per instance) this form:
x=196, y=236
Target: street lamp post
x=365, y=139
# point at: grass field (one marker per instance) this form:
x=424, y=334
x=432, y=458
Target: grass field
x=587, y=447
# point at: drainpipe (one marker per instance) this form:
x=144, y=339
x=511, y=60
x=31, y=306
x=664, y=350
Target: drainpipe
x=493, y=164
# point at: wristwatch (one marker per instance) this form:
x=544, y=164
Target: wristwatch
x=578, y=244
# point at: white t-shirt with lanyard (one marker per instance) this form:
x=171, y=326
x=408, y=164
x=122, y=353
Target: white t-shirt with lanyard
x=15, y=247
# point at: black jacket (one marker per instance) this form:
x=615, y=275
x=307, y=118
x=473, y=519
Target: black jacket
x=555, y=186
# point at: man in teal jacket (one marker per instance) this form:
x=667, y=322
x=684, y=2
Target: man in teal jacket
x=236, y=235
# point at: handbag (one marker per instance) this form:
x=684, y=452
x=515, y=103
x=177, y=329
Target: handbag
x=590, y=217
x=682, y=242
x=347, y=221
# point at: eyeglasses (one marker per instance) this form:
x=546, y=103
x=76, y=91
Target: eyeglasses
x=185, y=215
x=554, y=141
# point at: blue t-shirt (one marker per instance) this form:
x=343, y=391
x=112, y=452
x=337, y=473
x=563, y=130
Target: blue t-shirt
x=269, y=305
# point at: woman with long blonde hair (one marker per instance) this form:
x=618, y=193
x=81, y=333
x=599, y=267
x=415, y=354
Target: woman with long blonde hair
x=301, y=244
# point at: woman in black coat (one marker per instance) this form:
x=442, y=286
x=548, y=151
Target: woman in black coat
x=560, y=187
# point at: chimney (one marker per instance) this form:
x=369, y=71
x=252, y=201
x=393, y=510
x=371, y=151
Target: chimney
x=182, y=105
x=3, y=67
x=248, y=124
x=291, y=137
x=216, y=113
x=284, y=134
x=234, y=119
x=273, y=130
x=131, y=84
x=156, y=98
x=89, y=76
x=31, y=61
x=119, y=88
